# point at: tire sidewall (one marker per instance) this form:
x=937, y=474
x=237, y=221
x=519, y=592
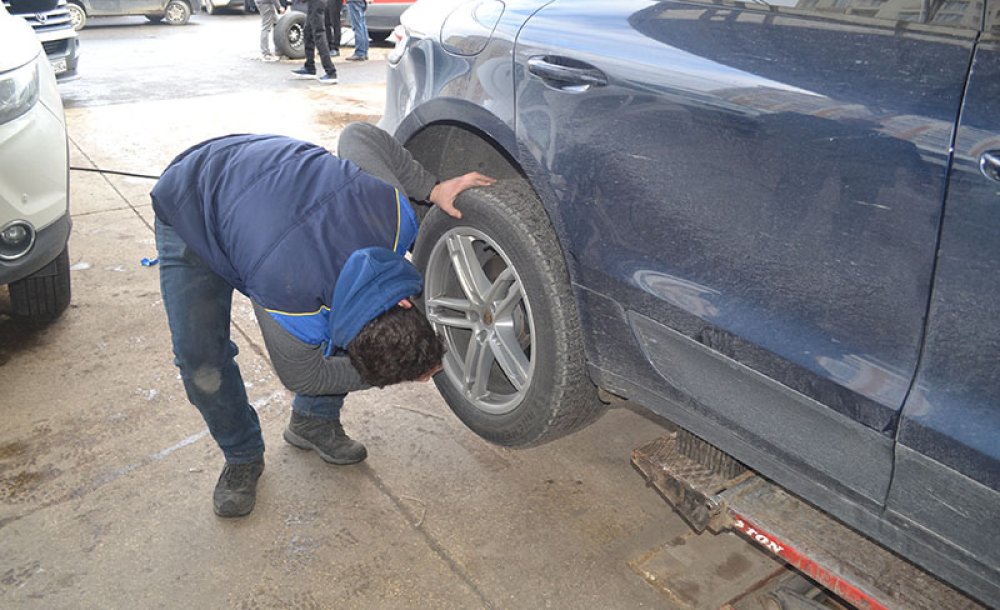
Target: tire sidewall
x=282, y=41
x=528, y=421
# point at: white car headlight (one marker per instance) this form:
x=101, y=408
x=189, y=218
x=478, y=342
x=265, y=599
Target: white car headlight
x=18, y=91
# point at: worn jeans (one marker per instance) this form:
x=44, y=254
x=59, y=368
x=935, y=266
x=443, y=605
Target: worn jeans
x=356, y=10
x=199, y=304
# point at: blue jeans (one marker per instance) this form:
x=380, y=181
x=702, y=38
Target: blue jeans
x=357, y=12
x=198, y=304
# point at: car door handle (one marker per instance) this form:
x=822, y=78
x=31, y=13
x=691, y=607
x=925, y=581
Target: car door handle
x=989, y=164
x=563, y=73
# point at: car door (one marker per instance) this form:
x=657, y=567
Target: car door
x=142, y=7
x=751, y=197
x=97, y=8
x=947, y=476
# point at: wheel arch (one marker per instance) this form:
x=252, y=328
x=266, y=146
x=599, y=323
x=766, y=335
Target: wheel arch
x=450, y=137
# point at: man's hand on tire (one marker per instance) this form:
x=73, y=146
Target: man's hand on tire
x=444, y=194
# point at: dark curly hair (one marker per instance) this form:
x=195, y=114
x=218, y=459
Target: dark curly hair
x=399, y=345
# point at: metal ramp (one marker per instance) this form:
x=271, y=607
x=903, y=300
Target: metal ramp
x=711, y=490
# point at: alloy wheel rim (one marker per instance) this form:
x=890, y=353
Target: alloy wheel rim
x=475, y=300
x=75, y=16
x=174, y=13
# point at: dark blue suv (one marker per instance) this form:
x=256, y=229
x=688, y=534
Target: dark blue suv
x=776, y=224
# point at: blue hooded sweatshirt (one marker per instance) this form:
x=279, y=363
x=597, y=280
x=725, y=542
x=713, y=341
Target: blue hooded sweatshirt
x=306, y=235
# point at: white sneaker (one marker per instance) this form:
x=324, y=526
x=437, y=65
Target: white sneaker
x=268, y=57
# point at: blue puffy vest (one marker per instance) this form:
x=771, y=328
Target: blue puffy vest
x=279, y=218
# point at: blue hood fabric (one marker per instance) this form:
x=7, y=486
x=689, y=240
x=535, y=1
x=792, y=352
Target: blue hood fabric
x=372, y=281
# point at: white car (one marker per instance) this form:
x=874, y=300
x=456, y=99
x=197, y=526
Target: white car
x=34, y=177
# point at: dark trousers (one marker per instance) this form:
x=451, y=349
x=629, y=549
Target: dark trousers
x=315, y=37
x=333, y=8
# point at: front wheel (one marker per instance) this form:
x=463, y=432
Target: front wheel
x=177, y=12
x=44, y=295
x=289, y=35
x=497, y=292
x=77, y=16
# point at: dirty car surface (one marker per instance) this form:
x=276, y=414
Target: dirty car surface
x=774, y=224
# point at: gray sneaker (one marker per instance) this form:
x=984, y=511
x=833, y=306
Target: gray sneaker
x=326, y=437
x=236, y=492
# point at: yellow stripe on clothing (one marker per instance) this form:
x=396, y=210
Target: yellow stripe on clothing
x=399, y=220
x=286, y=313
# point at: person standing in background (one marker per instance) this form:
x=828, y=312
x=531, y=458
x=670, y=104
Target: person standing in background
x=333, y=8
x=317, y=44
x=356, y=9
x=269, y=11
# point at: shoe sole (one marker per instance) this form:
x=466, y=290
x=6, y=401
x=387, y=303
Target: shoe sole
x=235, y=515
x=305, y=76
x=297, y=441
x=326, y=82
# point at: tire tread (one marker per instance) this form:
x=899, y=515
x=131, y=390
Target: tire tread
x=573, y=403
x=44, y=295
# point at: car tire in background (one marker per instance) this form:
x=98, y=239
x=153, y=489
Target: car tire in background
x=498, y=294
x=77, y=16
x=289, y=35
x=177, y=12
x=44, y=295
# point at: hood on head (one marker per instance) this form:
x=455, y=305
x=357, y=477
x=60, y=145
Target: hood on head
x=372, y=281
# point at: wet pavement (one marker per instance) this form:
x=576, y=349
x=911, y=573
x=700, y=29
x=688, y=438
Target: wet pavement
x=106, y=471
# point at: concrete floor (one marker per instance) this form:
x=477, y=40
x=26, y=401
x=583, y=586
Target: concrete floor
x=106, y=471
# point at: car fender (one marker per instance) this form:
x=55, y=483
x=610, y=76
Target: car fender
x=454, y=111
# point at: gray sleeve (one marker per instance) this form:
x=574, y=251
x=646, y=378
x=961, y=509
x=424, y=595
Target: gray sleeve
x=379, y=154
x=301, y=367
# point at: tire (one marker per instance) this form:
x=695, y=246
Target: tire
x=289, y=35
x=522, y=313
x=44, y=295
x=177, y=12
x=77, y=16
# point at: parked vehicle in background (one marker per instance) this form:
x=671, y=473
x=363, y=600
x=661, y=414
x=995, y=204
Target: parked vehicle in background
x=52, y=23
x=213, y=6
x=34, y=177
x=382, y=18
x=773, y=223
x=172, y=12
